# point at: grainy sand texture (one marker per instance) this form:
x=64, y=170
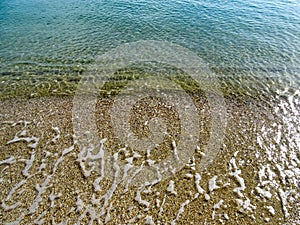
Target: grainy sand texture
x=47, y=178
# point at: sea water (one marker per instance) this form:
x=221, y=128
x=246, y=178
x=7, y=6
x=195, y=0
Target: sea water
x=42, y=41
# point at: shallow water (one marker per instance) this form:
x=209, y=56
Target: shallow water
x=253, y=51
x=41, y=39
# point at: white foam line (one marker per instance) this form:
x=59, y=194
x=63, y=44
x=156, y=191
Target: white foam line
x=5, y=168
x=148, y=153
x=6, y=207
x=283, y=196
x=282, y=174
x=26, y=139
x=263, y=192
x=175, y=150
x=133, y=175
x=61, y=223
x=61, y=158
x=52, y=198
x=260, y=142
x=42, y=166
x=56, y=129
x=292, y=105
x=21, y=121
x=271, y=210
x=197, y=183
x=235, y=173
x=126, y=168
x=79, y=204
x=212, y=184
x=101, y=156
x=107, y=217
x=157, y=202
x=138, y=197
x=39, y=220
x=29, y=164
x=278, y=137
x=226, y=216
x=23, y=133
x=129, y=165
x=149, y=220
x=216, y=206
x=192, y=163
x=187, y=202
x=82, y=216
x=155, y=181
x=246, y=205
x=97, y=182
x=171, y=188
x=81, y=159
x=189, y=175
x=14, y=188
x=262, y=174
x=114, y=185
x=161, y=206
x=42, y=188
x=17, y=221
x=86, y=154
x=207, y=197
x=242, y=187
x=180, y=211
x=9, y=160
x=7, y=122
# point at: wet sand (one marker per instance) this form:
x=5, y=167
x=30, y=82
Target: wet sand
x=44, y=181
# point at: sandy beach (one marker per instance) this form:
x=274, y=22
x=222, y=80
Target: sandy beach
x=43, y=179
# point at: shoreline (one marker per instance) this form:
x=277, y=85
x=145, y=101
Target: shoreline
x=231, y=85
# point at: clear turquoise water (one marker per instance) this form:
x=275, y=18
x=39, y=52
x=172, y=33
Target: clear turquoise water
x=256, y=39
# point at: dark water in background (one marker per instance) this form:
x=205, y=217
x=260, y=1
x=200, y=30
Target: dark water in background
x=252, y=38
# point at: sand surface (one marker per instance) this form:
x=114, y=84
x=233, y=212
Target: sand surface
x=46, y=178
